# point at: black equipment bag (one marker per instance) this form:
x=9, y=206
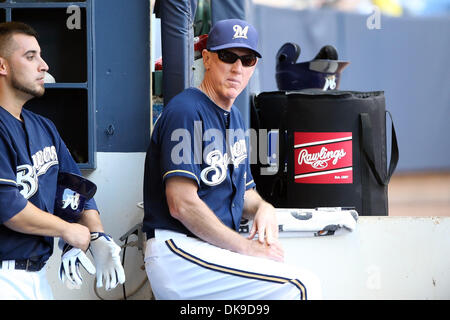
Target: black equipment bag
x=333, y=150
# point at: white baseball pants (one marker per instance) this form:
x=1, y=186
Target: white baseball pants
x=23, y=285
x=182, y=267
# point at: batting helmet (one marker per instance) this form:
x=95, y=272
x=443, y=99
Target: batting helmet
x=323, y=72
x=72, y=192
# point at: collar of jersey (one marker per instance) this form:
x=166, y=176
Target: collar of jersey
x=220, y=109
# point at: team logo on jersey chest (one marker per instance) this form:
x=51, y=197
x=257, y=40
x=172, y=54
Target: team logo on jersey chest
x=218, y=163
x=27, y=175
x=44, y=159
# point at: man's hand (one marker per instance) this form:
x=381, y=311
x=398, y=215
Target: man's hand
x=77, y=236
x=273, y=251
x=107, y=260
x=265, y=224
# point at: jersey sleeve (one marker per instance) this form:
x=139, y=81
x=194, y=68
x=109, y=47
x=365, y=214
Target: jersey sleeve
x=11, y=201
x=180, y=147
x=7, y=162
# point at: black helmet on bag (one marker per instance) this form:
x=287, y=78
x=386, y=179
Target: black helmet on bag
x=323, y=72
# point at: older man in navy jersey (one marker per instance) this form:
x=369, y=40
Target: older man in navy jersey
x=198, y=185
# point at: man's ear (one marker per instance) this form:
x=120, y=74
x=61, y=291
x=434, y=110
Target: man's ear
x=3, y=66
x=206, y=58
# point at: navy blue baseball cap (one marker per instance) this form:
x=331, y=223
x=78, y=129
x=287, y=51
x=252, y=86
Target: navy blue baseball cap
x=233, y=33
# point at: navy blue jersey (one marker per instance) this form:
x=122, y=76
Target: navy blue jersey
x=197, y=139
x=31, y=155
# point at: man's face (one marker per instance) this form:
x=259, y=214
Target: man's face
x=227, y=79
x=26, y=67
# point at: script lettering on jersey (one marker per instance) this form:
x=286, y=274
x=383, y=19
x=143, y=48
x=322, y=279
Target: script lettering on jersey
x=212, y=154
x=218, y=163
x=27, y=175
x=27, y=180
x=44, y=159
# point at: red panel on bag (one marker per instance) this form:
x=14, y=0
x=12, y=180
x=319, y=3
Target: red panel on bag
x=323, y=157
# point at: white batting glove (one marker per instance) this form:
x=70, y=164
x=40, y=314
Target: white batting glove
x=107, y=260
x=69, y=269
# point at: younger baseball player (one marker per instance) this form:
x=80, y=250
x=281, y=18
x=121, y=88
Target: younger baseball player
x=31, y=155
x=198, y=185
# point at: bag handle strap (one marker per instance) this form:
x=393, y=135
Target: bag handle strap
x=394, y=150
x=368, y=148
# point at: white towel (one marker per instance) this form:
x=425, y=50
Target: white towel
x=316, y=222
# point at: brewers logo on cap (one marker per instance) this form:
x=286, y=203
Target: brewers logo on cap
x=240, y=32
x=233, y=33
